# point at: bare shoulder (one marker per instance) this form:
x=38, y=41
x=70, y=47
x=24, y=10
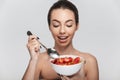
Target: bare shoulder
x=91, y=65
x=90, y=61
x=88, y=57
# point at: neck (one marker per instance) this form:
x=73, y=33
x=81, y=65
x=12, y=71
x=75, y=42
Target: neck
x=65, y=49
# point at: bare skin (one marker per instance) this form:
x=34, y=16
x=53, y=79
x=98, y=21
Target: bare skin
x=46, y=68
x=63, y=28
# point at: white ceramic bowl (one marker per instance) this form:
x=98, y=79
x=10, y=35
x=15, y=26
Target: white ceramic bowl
x=68, y=70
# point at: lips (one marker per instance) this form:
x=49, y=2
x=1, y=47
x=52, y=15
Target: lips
x=62, y=38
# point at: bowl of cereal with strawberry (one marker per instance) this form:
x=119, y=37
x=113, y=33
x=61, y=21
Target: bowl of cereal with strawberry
x=67, y=64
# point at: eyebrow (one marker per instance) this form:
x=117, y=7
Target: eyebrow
x=69, y=20
x=65, y=21
x=56, y=20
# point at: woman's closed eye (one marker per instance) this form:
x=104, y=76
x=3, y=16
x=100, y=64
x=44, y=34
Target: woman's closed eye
x=69, y=25
x=56, y=25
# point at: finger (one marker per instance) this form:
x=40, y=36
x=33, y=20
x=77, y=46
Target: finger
x=60, y=76
x=34, y=52
x=33, y=43
x=37, y=49
x=65, y=78
x=33, y=46
x=32, y=38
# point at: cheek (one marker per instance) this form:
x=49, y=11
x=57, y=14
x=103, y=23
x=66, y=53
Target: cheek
x=71, y=31
x=53, y=31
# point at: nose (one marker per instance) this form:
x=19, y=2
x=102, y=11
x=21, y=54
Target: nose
x=62, y=30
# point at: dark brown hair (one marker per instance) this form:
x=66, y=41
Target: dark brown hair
x=65, y=4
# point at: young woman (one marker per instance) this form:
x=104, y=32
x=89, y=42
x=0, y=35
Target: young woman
x=63, y=20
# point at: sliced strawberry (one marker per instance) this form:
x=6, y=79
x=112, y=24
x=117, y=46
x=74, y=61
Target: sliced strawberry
x=76, y=60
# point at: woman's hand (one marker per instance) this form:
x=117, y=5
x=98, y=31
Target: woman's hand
x=33, y=46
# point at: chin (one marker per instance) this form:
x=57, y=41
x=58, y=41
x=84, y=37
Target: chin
x=63, y=44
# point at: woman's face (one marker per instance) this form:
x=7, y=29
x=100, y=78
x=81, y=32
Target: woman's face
x=63, y=26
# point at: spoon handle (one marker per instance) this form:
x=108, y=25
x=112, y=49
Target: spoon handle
x=29, y=33
x=44, y=46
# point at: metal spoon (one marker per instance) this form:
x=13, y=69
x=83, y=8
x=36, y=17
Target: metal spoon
x=51, y=52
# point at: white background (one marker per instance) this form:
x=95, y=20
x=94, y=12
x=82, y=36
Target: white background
x=98, y=34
